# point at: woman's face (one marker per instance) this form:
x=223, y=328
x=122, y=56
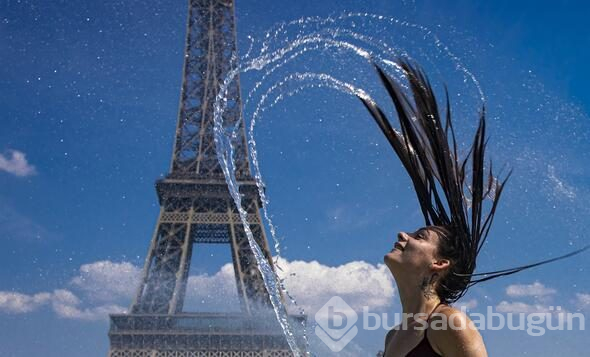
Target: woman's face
x=414, y=253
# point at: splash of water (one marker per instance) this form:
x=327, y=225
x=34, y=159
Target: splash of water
x=277, y=50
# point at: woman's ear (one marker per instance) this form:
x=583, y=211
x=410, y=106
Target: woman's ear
x=440, y=265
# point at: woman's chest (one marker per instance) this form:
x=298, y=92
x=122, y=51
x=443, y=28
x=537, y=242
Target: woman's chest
x=402, y=342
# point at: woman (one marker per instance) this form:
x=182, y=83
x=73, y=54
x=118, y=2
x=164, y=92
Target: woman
x=419, y=271
x=434, y=266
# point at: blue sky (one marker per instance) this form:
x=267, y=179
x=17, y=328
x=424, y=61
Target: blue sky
x=89, y=95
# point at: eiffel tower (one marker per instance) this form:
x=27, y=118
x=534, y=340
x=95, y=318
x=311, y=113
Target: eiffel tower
x=196, y=207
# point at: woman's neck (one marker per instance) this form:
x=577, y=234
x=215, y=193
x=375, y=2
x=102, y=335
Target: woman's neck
x=414, y=300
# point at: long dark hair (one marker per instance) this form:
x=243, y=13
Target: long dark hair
x=448, y=199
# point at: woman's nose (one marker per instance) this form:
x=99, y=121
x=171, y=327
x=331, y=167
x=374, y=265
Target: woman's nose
x=402, y=237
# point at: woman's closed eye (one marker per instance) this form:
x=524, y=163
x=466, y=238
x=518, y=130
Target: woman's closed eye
x=420, y=234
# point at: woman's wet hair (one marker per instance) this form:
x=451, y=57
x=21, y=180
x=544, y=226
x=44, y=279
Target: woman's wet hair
x=457, y=195
x=450, y=285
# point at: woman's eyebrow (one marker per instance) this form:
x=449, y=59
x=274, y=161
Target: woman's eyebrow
x=428, y=232
x=439, y=232
x=423, y=230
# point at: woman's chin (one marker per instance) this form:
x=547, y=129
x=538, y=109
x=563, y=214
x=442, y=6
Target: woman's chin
x=391, y=258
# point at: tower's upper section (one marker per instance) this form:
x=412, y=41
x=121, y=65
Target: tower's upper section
x=210, y=44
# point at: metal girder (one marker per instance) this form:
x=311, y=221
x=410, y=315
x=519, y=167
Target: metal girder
x=206, y=334
x=210, y=44
x=196, y=207
x=205, y=215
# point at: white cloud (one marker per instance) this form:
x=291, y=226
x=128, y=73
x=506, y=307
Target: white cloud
x=521, y=307
x=67, y=305
x=17, y=303
x=203, y=291
x=583, y=301
x=64, y=303
x=541, y=297
x=518, y=307
x=311, y=284
x=536, y=289
x=107, y=281
x=104, y=285
x=358, y=283
x=17, y=164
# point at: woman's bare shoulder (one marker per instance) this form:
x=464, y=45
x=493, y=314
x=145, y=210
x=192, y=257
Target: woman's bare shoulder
x=448, y=312
x=452, y=333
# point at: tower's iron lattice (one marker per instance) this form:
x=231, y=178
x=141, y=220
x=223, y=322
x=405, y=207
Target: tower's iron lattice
x=196, y=207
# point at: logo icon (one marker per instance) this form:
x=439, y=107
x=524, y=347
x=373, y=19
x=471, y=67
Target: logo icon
x=336, y=324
